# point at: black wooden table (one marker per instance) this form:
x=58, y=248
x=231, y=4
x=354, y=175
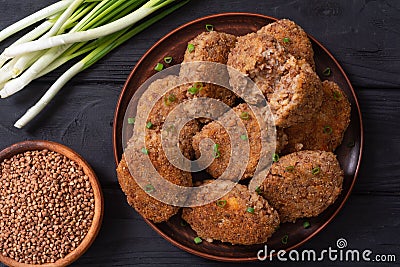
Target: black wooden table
x=364, y=36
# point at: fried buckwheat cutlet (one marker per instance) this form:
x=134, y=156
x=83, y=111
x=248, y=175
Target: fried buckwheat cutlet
x=293, y=38
x=260, y=57
x=216, y=132
x=169, y=96
x=169, y=92
x=291, y=86
x=149, y=207
x=303, y=184
x=214, y=47
x=210, y=46
x=326, y=129
x=297, y=94
x=239, y=217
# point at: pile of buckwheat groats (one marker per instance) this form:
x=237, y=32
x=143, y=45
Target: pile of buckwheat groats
x=46, y=206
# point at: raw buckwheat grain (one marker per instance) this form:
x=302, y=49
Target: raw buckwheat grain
x=46, y=206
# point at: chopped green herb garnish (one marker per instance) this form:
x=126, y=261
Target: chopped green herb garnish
x=245, y=115
x=149, y=125
x=197, y=240
x=327, y=72
x=149, y=188
x=328, y=130
x=131, y=120
x=195, y=88
x=286, y=40
x=209, y=27
x=168, y=60
x=216, y=152
x=306, y=225
x=168, y=100
x=285, y=239
x=159, y=67
x=290, y=168
x=258, y=190
x=316, y=170
x=250, y=210
x=221, y=203
x=145, y=151
x=275, y=157
x=243, y=137
x=190, y=48
x=337, y=95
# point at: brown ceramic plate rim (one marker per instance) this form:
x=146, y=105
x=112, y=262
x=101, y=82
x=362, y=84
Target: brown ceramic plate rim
x=236, y=259
x=94, y=229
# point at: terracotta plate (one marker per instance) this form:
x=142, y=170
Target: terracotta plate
x=174, y=44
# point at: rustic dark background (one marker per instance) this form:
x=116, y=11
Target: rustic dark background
x=363, y=35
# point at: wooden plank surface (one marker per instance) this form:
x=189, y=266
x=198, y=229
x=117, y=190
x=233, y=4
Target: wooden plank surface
x=363, y=35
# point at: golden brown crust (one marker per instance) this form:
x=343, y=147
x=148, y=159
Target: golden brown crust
x=147, y=206
x=169, y=96
x=259, y=57
x=291, y=86
x=325, y=130
x=232, y=223
x=293, y=38
x=210, y=46
x=303, y=184
x=219, y=135
x=297, y=94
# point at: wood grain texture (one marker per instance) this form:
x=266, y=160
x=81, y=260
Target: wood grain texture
x=363, y=35
x=380, y=167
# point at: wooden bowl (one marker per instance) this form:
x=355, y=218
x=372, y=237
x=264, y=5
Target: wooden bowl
x=174, y=44
x=98, y=196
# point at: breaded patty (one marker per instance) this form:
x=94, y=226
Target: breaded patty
x=210, y=47
x=178, y=94
x=297, y=94
x=212, y=91
x=258, y=56
x=292, y=88
x=326, y=129
x=239, y=217
x=147, y=206
x=168, y=99
x=303, y=184
x=216, y=132
x=293, y=38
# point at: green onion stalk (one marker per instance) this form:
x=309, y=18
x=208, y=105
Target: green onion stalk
x=35, y=17
x=112, y=42
x=72, y=28
x=100, y=14
x=91, y=34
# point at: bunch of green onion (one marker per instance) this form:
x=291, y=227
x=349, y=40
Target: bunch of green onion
x=68, y=29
